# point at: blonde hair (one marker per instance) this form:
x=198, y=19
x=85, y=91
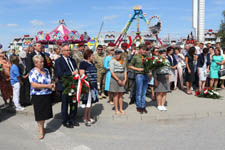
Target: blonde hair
x=37, y=58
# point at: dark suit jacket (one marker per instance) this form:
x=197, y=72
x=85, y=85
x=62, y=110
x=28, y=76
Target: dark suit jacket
x=174, y=63
x=30, y=64
x=201, y=60
x=62, y=69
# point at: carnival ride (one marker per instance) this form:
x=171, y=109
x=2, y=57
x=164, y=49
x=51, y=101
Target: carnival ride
x=61, y=34
x=154, y=27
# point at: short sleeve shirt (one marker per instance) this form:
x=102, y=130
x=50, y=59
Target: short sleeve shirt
x=116, y=66
x=91, y=72
x=14, y=74
x=137, y=62
x=37, y=77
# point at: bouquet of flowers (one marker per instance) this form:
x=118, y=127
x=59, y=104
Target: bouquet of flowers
x=74, y=86
x=153, y=63
x=49, y=62
x=208, y=93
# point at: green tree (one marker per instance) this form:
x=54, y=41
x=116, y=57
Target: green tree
x=221, y=32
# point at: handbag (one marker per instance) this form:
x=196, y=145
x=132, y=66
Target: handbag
x=221, y=72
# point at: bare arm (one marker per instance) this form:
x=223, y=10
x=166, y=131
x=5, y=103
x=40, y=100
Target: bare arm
x=136, y=69
x=186, y=61
x=42, y=86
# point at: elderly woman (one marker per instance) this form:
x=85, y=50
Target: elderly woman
x=108, y=73
x=217, y=61
x=5, y=86
x=88, y=68
x=41, y=90
x=118, y=81
x=162, y=83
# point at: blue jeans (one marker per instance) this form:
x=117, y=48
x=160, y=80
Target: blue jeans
x=141, y=89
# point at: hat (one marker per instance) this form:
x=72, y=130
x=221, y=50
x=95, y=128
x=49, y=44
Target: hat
x=111, y=44
x=147, y=43
x=142, y=46
x=161, y=50
x=80, y=44
x=134, y=44
x=117, y=51
x=124, y=45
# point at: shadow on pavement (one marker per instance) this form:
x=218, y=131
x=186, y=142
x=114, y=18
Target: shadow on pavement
x=54, y=124
x=125, y=105
x=6, y=112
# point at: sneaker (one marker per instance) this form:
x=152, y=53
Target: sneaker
x=164, y=108
x=19, y=108
x=160, y=108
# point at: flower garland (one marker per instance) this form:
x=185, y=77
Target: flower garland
x=75, y=86
x=208, y=93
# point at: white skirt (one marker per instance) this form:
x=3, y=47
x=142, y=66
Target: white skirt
x=203, y=74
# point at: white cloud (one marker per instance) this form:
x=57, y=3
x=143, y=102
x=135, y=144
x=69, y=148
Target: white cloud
x=37, y=22
x=12, y=25
x=112, y=17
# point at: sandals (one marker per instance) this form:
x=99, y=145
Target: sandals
x=122, y=112
x=87, y=123
x=41, y=136
x=92, y=121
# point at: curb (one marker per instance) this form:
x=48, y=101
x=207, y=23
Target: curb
x=164, y=117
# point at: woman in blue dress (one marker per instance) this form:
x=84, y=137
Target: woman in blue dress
x=217, y=61
x=88, y=68
x=108, y=73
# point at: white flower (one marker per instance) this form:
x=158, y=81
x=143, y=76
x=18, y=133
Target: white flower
x=72, y=91
x=210, y=93
x=70, y=94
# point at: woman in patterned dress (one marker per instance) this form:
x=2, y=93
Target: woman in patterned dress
x=41, y=90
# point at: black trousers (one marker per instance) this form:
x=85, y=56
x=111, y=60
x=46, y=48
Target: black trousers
x=132, y=85
x=66, y=101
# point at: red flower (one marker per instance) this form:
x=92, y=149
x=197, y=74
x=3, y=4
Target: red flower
x=153, y=58
x=197, y=93
x=159, y=61
x=72, y=86
x=74, y=98
x=74, y=78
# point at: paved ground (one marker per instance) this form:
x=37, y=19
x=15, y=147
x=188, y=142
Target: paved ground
x=189, y=123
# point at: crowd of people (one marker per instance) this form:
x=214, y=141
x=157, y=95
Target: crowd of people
x=35, y=76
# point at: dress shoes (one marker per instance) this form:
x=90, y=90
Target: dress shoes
x=75, y=123
x=145, y=110
x=140, y=110
x=68, y=125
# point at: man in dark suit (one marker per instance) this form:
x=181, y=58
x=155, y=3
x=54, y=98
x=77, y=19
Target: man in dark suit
x=65, y=65
x=29, y=60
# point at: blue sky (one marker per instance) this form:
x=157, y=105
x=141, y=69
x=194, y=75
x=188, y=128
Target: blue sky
x=19, y=17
